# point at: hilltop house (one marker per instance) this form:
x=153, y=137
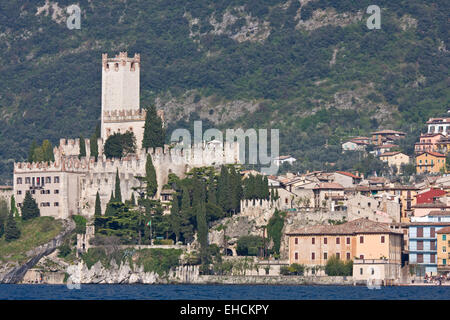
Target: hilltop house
x=394, y=159
x=430, y=162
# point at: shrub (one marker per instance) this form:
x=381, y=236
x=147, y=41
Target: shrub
x=336, y=267
x=80, y=222
x=64, y=250
x=249, y=245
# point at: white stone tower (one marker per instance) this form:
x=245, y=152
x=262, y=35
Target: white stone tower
x=120, y=96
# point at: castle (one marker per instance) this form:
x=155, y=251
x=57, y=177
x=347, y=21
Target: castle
x=68, y=185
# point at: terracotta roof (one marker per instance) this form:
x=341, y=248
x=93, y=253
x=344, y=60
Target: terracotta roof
x=386, y=146
x=388, y=132
x=436, y=154
x=329, y=185
x=436, y=213
x=429, y=196
x=6, y=187
x=283, y=157
x=444, y=230
x=389, y=154
x=348, y=174
x=359, y=226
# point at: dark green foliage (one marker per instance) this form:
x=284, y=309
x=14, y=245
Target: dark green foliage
x=117, y=192
x=4, y=213
x=154, y=134
x=13, y=207
x=286, y=71
x=337, y=267
x=119, y=145
x=98, y=206
x=43, y=153
x=160, y=261
x=256, y=187
x=64, y=250
x=94, y=143
x=80, y=224
x=12, y=231
x=29, y=208
x=274, y=229
x=82, y=147
x=175, y=218
x=294, y=269
x=150, y=177
x=249, y=246
x=132, y=200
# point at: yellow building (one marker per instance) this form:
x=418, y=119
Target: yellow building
x=360, y=239
x=430, y=162
x=394, y=159
x=443, y=246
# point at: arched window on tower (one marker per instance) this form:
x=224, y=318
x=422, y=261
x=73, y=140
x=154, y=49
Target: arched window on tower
x=132, y=66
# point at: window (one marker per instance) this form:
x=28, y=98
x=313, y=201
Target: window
x=420, y=258
x=56, y=179
x=313, y=240
x=27, y=180
x=296, y=240
x=325, y=240
x=313, y=256
x=325, y=255
x=338, y=240
x=444, y=249
x=19, y=180
x=361, y=256
x=420, y=245
x=48, y=179
x=56, y=191
x=432, y=232
x=432, y=258
x=382, y=239
x=360, y=270
x=348, y=255
x=33, y=191
x=361, y=239
x=419, y=232
x=56, y=204
x=19, y=191
x=444, y=261
x=338, y=255
x=433, y=245
x=348, y=240
x=444, y=237
x=296, y=256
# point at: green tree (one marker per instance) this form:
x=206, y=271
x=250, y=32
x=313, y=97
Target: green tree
x=82, y=147
x=274, y=230
x=30, y=208
x=93, y=145
x=12, y=231
x=14, y=207
x=118, y=193
x=4, y=213
x=150, y=177
x=98, y=206
x=47, y=151
x=175, y=218
x=154, y=134
x=33, y=147
x=119, y=145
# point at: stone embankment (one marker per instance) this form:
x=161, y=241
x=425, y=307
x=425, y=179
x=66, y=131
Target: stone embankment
x=16, y=274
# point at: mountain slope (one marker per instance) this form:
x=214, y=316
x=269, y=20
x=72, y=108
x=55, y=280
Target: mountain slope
x=310, y=68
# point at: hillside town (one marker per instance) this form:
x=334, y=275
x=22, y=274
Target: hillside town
x=370, y=228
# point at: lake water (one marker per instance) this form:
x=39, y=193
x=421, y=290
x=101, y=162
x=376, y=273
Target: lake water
x=219, y=292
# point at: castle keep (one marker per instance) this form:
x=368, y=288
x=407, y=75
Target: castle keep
x=69, y=185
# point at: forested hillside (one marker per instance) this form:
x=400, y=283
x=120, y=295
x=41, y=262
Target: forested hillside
x=312, y=68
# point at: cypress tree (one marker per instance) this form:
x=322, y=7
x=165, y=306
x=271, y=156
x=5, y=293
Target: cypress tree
x=154, y=134
x=152, y=184
x=98, y=207
x=132, y=200
x=30, y=208
x=47, y=150
x=13, y=207
x=266, y=188
x=109, y=208
x=185, y=224
x=12, y=232
x=117, y=191
x=223, y=189
x=175, y=218
x=82, y=147
x=3, y=216
x=33, y=147
x=202, y=232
